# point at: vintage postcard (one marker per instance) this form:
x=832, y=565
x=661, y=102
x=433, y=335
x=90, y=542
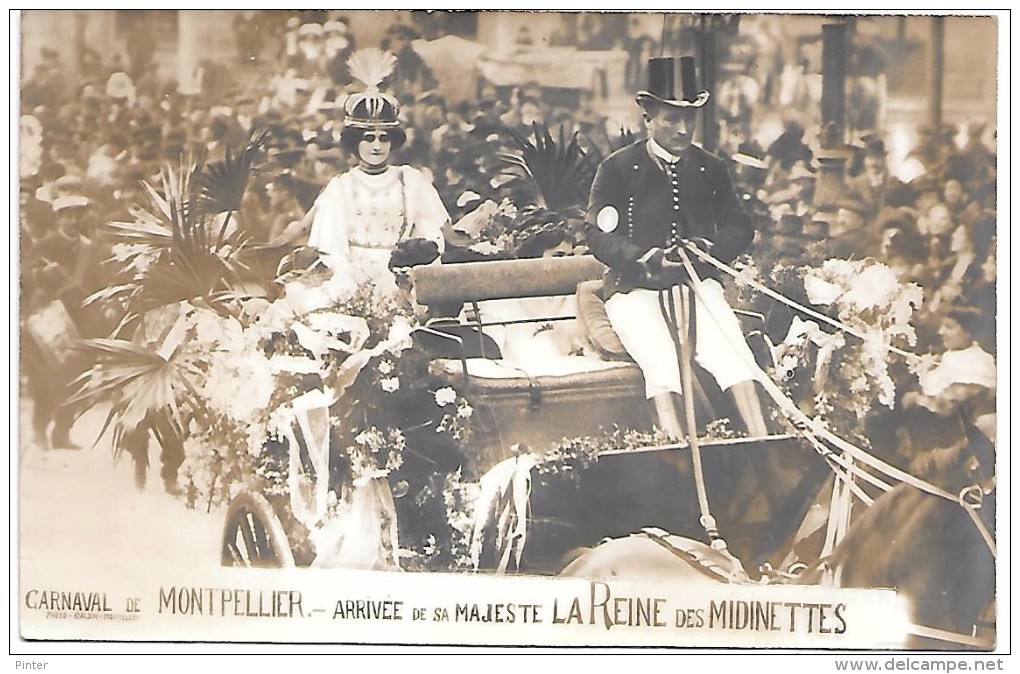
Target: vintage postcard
x=508, y=329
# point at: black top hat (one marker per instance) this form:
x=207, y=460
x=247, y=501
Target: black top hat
x=673, y=81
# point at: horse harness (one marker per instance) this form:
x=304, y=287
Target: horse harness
x=715, y=564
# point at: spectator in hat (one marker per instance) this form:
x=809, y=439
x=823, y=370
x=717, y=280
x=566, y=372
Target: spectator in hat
x=76, y=259
x=750, y=171
x=973, y=166
x=903, y=248
x=850, y=235
x=524, y=111
x=934, y=148
x=63, y=270
x=965, y=280
x=750, y=155
x=938, y=225
x=963, y=378
x=789, y=148
x=647, y=200
x=979, y=280
x=926, y=191
x=795, y=186
x=283, y=206
x=311, y=45
x=874, y=183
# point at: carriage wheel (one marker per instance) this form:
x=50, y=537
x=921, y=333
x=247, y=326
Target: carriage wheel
x=253, y=535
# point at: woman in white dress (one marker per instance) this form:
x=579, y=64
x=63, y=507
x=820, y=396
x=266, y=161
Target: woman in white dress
x=367, y=222
x=376, y=209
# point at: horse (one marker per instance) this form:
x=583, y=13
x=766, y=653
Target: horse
x=924, y=546
x=654, y=555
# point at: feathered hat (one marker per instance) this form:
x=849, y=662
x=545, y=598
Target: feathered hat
x=371, y=108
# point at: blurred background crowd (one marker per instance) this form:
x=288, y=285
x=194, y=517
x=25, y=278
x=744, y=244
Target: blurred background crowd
x=878, y=178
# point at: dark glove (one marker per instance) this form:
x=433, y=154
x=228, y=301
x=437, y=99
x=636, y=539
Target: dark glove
x=662, y=270
x=412, y=253
x=701, y=268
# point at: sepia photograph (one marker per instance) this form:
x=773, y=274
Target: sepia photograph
x=507, y=329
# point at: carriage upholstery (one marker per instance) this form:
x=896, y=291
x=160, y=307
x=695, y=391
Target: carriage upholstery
x=516, y=403
x=503, y=279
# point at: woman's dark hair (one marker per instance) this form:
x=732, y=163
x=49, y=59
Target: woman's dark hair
x=907, y=243
x=351, y=136
x=969, y=318
x=537, y=243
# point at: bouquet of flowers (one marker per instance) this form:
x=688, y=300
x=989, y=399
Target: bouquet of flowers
x=486, y=229
x=866, y=297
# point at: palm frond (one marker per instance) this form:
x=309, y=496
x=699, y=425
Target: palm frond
x=139, y=384
x=178, y=248
x=114, y=293
x=182, y=231
x=222, y=184
x=144, y=230
x=623, y=138
x=188, y=276
x=556, y=174
x=167, y=220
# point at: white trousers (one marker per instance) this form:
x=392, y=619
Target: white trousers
x=720, y=347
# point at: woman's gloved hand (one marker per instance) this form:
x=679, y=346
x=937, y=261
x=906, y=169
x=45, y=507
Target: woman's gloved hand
x=412, y=253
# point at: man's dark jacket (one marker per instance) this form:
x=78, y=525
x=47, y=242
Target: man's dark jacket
x=635, y=183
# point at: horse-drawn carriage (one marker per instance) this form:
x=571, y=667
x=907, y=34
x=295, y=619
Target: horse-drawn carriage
x=523, y=409
x=538, y=504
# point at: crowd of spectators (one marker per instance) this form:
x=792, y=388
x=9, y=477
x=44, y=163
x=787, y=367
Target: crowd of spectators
x=937, y=230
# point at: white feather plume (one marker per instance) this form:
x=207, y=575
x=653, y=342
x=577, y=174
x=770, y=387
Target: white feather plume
x=371, y=66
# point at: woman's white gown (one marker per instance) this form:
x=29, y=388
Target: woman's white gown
x=361, y=217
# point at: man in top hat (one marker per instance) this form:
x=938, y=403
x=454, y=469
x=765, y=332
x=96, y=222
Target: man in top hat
x=874, y=184
x=648, y=198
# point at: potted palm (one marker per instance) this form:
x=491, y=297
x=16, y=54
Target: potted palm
x=186, y=248
x=546, y=178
